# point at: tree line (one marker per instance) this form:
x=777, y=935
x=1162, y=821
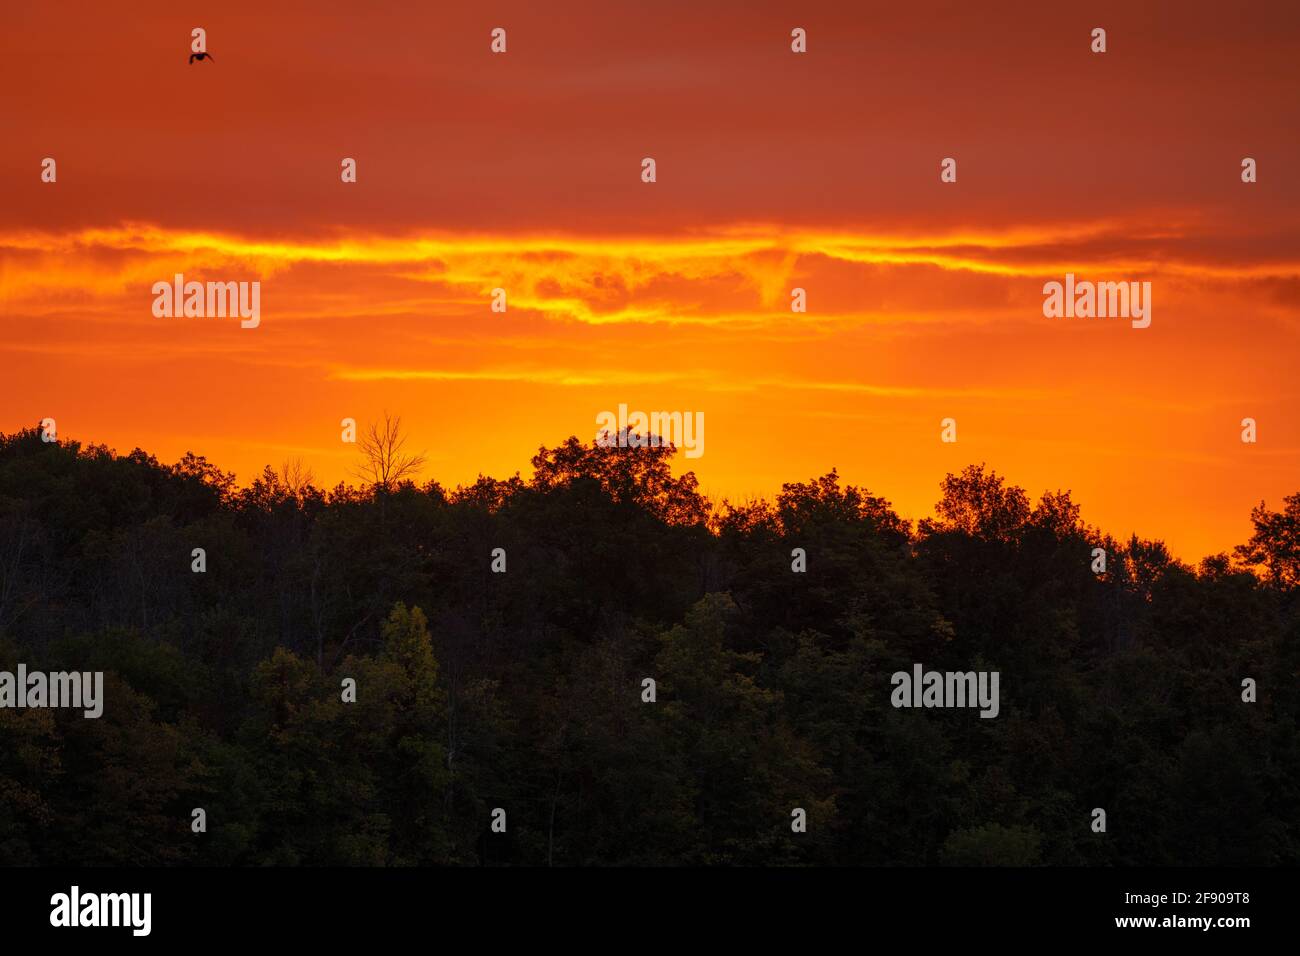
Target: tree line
x=524, y=690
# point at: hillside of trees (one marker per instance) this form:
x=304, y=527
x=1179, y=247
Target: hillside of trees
x=523, y=690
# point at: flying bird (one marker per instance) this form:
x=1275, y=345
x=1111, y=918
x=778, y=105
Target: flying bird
x=201, y=56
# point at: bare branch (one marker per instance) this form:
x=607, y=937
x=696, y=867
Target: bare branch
x=385, y=462
x=296, y=476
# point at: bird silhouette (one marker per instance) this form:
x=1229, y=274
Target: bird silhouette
x=201, y=56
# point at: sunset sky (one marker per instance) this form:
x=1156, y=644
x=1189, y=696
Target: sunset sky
x=775, y=170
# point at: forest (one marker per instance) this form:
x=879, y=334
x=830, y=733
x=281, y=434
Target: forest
x=522, y=689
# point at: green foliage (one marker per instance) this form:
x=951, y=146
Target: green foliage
x=992, y=844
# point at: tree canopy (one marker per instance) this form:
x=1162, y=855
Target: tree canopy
x=525, y=690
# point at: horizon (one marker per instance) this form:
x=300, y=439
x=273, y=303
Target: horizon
x=420, y=481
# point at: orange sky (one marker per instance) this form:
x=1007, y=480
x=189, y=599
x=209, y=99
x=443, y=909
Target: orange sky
x=775, y=170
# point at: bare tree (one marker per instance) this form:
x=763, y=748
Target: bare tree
x=296, y=476
x=385, y=462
